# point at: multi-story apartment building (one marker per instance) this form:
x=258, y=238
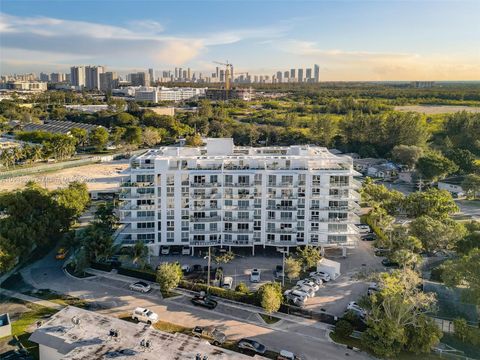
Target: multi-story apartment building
x=224, y=195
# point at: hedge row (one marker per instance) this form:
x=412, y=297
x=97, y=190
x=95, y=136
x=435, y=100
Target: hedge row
x=379, y=232
x=140, y=274
x=247, y=298
x=101, y=266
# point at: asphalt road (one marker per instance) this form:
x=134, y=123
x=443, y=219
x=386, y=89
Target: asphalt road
x=304, y=337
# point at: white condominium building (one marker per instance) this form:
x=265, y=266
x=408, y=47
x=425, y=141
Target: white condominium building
x=224, y=195
x=179, y=94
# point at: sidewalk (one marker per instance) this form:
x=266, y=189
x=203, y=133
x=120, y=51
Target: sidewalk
x=32, y=299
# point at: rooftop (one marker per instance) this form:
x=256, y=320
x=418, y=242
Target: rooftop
x=79, y=334
x=56, y=126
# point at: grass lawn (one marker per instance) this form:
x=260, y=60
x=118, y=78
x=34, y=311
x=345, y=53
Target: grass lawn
x=269, y=319
x=61, y=299
x=161, y=325
x=22, y=328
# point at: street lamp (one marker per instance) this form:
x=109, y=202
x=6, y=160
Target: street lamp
x=209, y=257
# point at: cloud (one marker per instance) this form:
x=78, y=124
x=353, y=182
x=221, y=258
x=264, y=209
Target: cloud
x=140, y=42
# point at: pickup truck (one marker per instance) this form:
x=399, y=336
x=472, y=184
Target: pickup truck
x=211, y=333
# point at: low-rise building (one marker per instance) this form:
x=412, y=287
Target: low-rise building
x=77, y=334
x=146, y=94
x=56, y=126
x=453, y=185
x=223, y=94
x=180, y=93
x=37, y=86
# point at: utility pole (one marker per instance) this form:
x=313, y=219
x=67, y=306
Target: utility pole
x=283, y=268
x=209, y=260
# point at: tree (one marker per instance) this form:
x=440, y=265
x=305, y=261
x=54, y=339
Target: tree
x=293, y=267
x=437, y=234
x=117, y=134
x=133, y=135
x=74, y=199
x=105, y=215
x=126, y=119
x=343, y=328
x=81, y=262
x=471, y=185
x=407, y=155
x=308, y=256
x=98, y=138
x=464, y=271
x=194, y=140
x=423, y=335
x=271, y=297
x=169, y=276
x=8, y=255
x=373, y=194
x=433, y=166
x=80, y=135
x=405, y=258
x=97, y=241
x=223, y=258
x=151, y=136
x=435, y=203
x=464, y=159
x=242, y=287
x=395, y=315
x=140, y=254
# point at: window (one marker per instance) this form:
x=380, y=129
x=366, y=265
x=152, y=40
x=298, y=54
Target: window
x=285, y=215
x=228, y=179
x=287, y=179
x=242, y=238
x=243, y=226
x=284, y=237
x=199, y=179
x=270, y=237
x=228, y=226
x=213, y=179
x=145, y=225
x=213, y=227
x=242, y=179
x=243, y=215
x=199, y=227
x=272, y=179
x=271, y=215
x=243, y=203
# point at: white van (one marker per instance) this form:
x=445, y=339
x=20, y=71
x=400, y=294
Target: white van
x=227, y=282
x=144, y=315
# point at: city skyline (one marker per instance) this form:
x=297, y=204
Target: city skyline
x=350, y=40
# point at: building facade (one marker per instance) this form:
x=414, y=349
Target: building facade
x=77, y=76
x=223, y=195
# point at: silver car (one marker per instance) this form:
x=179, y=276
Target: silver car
x=140, y=286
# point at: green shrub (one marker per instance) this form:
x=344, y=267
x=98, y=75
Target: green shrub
x=101, y=266
x=242, y=287
x=465, y=333
x=139, y=274
x=247, y=298
x=343, y=329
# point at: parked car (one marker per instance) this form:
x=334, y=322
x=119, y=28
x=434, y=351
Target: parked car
x=165, y=250
x=287, y=355
x=204, y=301
x=316, y=280
x=363, y=228
x=227, y=282
x=308, y=283
x=353, y=306
x=140, y=286
x=144, y=315
x=186, y=269
x=369, y=237
x=255, y=276
x=210, y=333
x=252, y=345
x=279, y=271
x=61, y=254
x=389, y=263
x=321, y=275
x=197, y=268
x=373, y=288
x=382, y=251
x=305, y=289
x=186, y=250
x=296, y=297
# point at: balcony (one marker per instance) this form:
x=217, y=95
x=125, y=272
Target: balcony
x=283, y=197
x=292, y=219
x=239, y=196
x=136, y=184
x=123, y=196
x=136, y=207
x=279, y=207
x=243, y=208
x=206, y=208
x=248, y=231
x=233, y=218
x=340, y=185
x=205, y=219
x=281, y=185
x=282, y=231
x=204, y=231
x=237, y=242
x=249, y=184
x=281, y=243
x=204, y=185
x=129, y=230
x=204, y=243
x=135, y=219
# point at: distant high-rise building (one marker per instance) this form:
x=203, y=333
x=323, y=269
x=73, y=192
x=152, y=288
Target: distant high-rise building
x=222, y=76
x=77, y=76
x=151, y=74
x=189, y=74
x=292, y=73
x=279, y=76
x=180, y=73
x=139, y=79
x=285, y=75
x=108, y=81
x=92, y=77
x=57, y=77
x=300, y=75
x=176, y=73
x=44, y=77
x=184, y=74
x=316, y=73
x=308, y=75
x=217, y=72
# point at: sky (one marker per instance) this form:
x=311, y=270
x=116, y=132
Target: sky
x=352, y=40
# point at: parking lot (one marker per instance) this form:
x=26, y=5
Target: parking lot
x=332, y=298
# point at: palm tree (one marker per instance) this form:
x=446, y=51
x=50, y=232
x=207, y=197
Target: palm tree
x=7, y=159
x=140, y=253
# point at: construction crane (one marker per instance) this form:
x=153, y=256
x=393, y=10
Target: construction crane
x=228, y=73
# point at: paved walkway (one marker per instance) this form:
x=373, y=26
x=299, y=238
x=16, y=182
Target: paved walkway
x=31, y=299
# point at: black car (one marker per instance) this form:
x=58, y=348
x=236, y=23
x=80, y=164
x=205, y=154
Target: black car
x=197, y=268
x=390, y=263
x=382, y=252
x=252, y=346
x=369, y=237
x=204, y=301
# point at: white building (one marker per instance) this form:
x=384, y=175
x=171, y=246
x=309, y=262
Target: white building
x=223, y=195
x=179, y=94
x=17, y=85
x=77, y=334
x=146, y=94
